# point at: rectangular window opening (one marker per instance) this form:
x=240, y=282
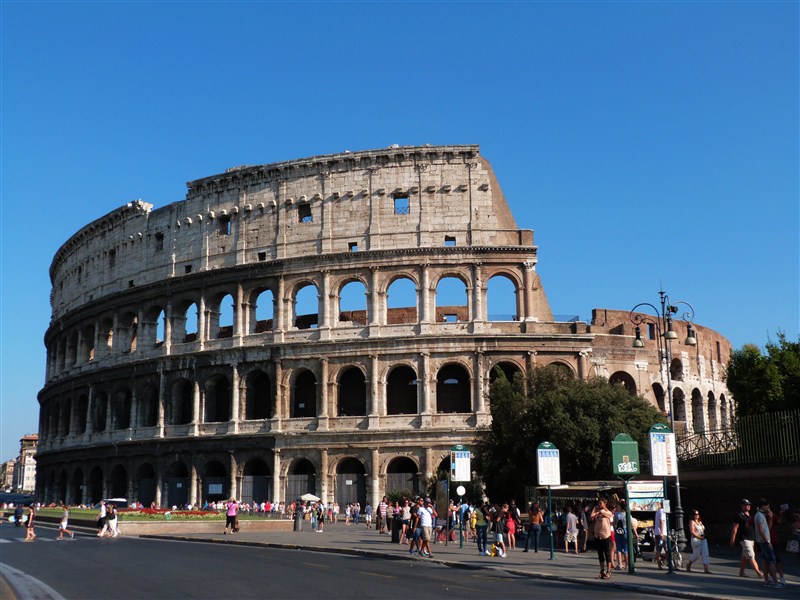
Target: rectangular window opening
x=112, y=258
x=187, y=269
x=262, y=256
x=225, y=225
x=130, y=283
x=719, y=352
x=353, y=246
x=159, y=241
x=401, y=205
x=651, y=331
x=304, y=213
x=449, y=240
x=451, y=318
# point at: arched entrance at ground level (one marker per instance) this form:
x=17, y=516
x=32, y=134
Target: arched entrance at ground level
x=76, y=487
x=118, y=483
x=624, y=379
x=302, y=479
x=146, y=484
x=177, y=485
x=256, y=482
x=95, y=485
x=351, y=482
x=215, y=482
x=402, y=477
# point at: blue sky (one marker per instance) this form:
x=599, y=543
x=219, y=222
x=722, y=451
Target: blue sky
x=644, y=143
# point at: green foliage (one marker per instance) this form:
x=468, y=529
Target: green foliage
x=765, y=382
x=579, y=417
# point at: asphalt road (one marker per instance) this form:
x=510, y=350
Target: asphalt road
x=132, y=568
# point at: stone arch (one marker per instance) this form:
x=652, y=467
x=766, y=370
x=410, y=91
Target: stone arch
x=72, y=349
x=118, y=482
x=86, y=350
x=65, y=418
x=352, y=393
x=258, y=396
x=262, y=310
x=509, y=370
x=661, y=399
x=185, y=321
x=305, y=306
x=55, y=413
x=676, y=369
x=61, y=490
x=217, y=399
x=100, y=411
x=76, y=487
x=106, y=335
x=712, y=411
x=181, y=402
x=402, y=476
x=121, y=408
x=256, y=481
x=724, y=414
x=679, y=404
x=564, y=368
x=146, y=484
x=502, y=297
x=449, y=288
x=352, y=302
x=625, y=379
x=304, y=395
x=351, y=481
x=177, y=484
x=401, y=391
x=81, y=414
x=453, y=389
x=698, y=411
x=128, y=332
x=95, y=485
x=401, y=301
x=221, y=311
x=152, y=326
x=301, y=479
x=216, y=483
x=148, y=406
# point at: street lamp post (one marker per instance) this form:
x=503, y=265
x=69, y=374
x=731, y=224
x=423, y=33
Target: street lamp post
x=662, y=321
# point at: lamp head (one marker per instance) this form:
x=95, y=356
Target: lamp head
x=691, y=339
x=670, y=333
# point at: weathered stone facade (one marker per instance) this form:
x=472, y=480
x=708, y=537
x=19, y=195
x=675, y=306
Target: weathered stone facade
x=153, y=393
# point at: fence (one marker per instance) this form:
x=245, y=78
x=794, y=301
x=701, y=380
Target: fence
x=773, y=438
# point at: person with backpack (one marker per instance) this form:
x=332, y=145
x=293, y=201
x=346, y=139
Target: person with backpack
x=621, y=536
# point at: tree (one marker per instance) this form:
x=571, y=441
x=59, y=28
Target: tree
x=765, y=382
x=579, y=417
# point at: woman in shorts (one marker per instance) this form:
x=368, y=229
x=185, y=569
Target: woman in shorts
x=62, y=525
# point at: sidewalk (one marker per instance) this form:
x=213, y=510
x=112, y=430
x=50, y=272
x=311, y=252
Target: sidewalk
x=582, y=568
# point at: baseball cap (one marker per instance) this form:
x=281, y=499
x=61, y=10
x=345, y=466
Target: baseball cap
x=745, y=501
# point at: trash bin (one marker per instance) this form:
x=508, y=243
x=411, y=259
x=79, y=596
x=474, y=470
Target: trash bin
x=397, y=527
x=298, y=520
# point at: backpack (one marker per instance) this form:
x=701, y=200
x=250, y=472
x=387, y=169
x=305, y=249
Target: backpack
x=619, y=527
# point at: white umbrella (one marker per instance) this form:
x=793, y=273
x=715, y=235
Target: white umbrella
x=309, y=498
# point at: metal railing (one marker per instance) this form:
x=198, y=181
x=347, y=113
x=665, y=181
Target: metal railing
x=772, y=438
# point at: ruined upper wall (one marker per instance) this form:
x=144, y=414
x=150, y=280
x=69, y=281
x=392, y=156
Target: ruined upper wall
x=395, y=198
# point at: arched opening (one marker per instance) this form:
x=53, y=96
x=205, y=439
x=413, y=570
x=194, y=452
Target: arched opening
x=698, y=411
x=262, y=312
x=218, y=399
x=304, y=395
x=661, y=400
x=724, y=415
x=676, y=369
x=95, y=485
x=401, y=302
x=121, y=409
x=128, y=329
x=351, y=482
x=402, y=477
x=401, y=391
x=712, y=411
x=185, y=324
x=72, y=349
x=55, y=414
x=451, y=301
x=86, y=347
x=146, y=484
x=352, y=393
x=301, y=480
x=221, y=317
x=179, y=408
x=501, y=299
x=81, y=414
x=177, y=485
x=305, y=307
x=563, y=369
x=118, y=482
x=61, y=492
x=148, y=407
x=679, y=405
x=258, y=396
x=160, y=323
x=77, y=487
x=508, y=369
x=256, y=481
x=106, y=336
x=100, y=410
x=66, y=417
x=624, y=379
x=215, y=482
x=453, y=390
x=353, y=304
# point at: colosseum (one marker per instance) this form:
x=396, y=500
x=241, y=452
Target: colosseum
x=183, y=367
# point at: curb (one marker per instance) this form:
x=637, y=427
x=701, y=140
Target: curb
x=628, y=587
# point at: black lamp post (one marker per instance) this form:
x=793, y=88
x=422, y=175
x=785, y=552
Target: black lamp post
x=662, y=321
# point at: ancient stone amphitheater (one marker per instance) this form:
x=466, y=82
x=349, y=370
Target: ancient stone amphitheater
x=182, y=365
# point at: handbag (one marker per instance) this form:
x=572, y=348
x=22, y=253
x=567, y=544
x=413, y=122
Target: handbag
x=793, y=547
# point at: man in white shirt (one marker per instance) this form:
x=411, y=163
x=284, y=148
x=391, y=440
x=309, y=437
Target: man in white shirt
x=764, y=542
x=660, y=533
x=427, y=516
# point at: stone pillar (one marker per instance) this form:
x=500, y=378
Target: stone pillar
x=423, y=387
x=115, y=336
x=90, y=411
x=374, y=317
x=277, y=492
x=527, y=279
x=477, y=315
x=193, y=484
x=582, y=374
x=280, y=308
x=234, y=488
x=161, y=400
x=97, y=353
x=479, y=369
x=322, y=394
x=239, y=312
x=109, y=405
x=324, y=476
x=375, y=468
x=159, y=485
x=428, y=466
x=168, y=328
x=278, y=403
x=202, y=319
x=324, y=311
x=424, y=294
x=133, y=417
x=196, y=407
x=233, y=426
x=375, y=408
x=141, y=330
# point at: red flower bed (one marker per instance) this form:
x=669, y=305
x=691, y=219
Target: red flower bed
x=161, y=511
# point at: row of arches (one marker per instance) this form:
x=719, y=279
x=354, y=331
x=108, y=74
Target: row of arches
x=357, y=299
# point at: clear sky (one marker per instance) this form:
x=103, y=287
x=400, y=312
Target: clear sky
x=644, y=143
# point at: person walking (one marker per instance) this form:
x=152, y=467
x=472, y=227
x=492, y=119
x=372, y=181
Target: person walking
x=498, y=526
x=427, y=518
x=536, y=518
x=481, y=522
x=621, y=536
x=113, y=521
x=660, y=535
x=571, y=532
x=30, y=524
x=62, y=524
x=699, y=543
x=764, y=541
x=102, y=520
x=743, y=534
x=601, y=521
